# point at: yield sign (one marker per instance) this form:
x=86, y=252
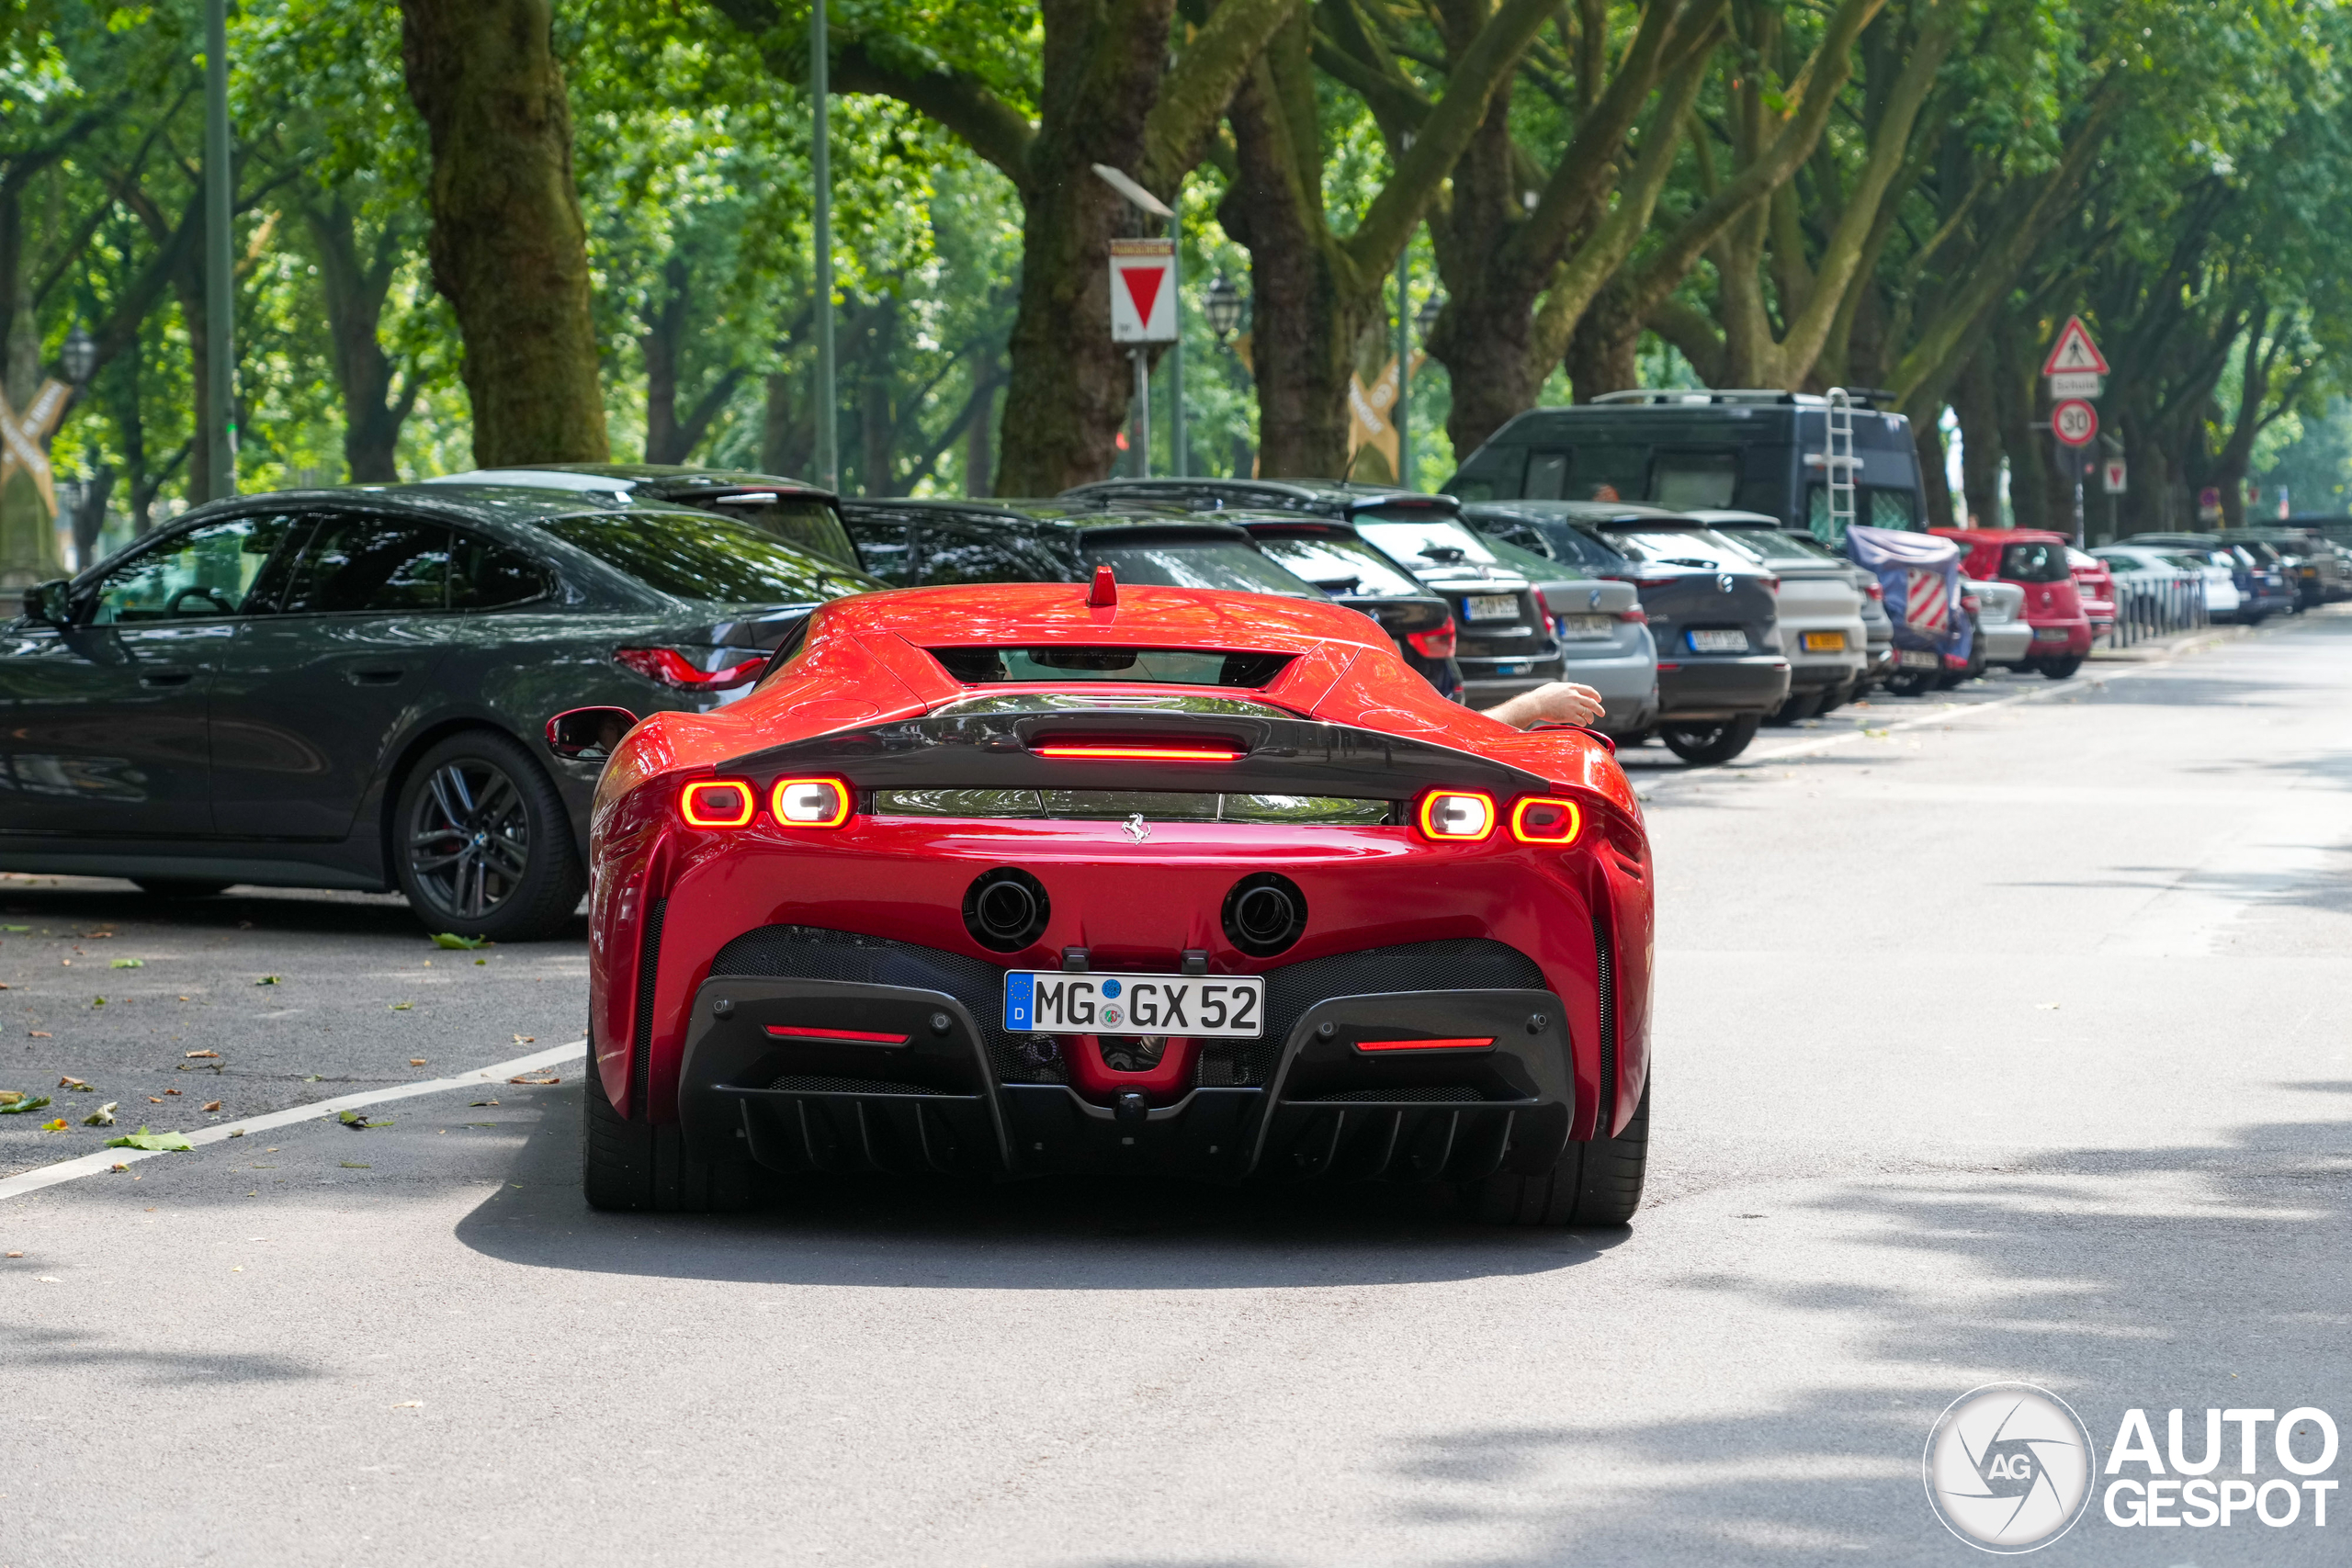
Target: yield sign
x=1143, y=290
x=2074, y=351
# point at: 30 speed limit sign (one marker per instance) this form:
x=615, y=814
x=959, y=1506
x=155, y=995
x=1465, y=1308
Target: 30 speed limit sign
x=2075, y=422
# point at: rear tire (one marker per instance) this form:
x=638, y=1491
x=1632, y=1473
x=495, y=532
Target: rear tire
x=1912, y=682
x=1796, y=706
x=2062, y=668
x=482, y=844
x=179, y=887
x=639, y=1167
x=1598, y=1183
x=1711, y=745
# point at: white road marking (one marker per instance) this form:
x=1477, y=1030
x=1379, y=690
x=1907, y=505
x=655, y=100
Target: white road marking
x=106, y=1159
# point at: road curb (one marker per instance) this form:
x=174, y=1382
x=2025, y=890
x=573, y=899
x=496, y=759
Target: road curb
x=106, y=1159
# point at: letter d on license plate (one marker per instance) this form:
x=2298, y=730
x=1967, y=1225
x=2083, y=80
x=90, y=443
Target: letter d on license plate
x=1214, y=1007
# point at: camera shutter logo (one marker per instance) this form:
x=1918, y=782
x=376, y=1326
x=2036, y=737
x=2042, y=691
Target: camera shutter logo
x=2009, y=1467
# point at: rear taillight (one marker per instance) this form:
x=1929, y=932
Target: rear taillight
x=1653, y=582
x=716, y=803
x=810, y=803
x=1545, y=819
x=1543, y=605
x=1438, y=644
x=671, y=668
x=1457, y=816
x=1638, y=615
x=1968, y=603
x=1877, y=591
x=1772, y=585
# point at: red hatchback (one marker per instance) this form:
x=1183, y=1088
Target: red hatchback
x=2035, y=560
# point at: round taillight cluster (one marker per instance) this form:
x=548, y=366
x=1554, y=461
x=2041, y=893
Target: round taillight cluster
x=794, y=803
x=1462, y=816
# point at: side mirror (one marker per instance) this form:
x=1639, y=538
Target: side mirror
x=50, y=602
x=588, y=735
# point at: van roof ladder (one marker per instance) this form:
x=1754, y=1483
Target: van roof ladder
x=1842, y=464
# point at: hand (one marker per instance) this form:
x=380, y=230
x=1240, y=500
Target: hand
x=1556, y=701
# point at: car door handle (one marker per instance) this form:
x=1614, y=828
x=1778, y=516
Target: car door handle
x=387, y=676
x=167, y=677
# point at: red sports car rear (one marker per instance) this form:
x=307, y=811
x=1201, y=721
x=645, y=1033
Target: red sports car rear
x=1030, y=878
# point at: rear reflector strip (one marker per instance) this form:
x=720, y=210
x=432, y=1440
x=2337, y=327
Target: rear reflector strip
x=1478, y=1044
x=1141, y=753
x=854, y=1036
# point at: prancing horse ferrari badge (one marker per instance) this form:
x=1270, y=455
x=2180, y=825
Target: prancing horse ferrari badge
x=1136, y=828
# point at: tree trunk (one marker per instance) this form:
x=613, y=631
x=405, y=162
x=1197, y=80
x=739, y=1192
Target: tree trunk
x=979, y=435
x=355, y=290
x=1980, y=440
x=1928, y=436
x=787, y=433
x=660, y=343
x=188, y=284
x=507, y=246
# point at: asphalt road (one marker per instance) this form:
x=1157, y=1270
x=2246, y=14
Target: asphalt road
x=2001, y=1039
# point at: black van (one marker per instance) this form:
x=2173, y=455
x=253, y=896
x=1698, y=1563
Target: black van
x=1756, y=451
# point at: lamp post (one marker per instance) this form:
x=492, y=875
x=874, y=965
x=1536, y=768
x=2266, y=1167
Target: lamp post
x=829, y=464
x=220, y=282
x=1224, y=307
x=78, y=357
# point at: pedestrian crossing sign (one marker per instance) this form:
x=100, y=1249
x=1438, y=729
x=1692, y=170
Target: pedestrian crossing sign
x=2075, y=352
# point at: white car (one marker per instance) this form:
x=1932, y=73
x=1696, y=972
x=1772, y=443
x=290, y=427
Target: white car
x=2000, y=621
x=2147, y=564
x=1818, y=608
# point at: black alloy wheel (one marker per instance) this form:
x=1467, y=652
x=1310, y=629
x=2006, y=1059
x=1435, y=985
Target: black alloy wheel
x=2061, y=668
x=482, y=842
x=1710, y=745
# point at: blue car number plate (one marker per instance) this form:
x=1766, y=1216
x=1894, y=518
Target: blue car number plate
x=1214, y=1007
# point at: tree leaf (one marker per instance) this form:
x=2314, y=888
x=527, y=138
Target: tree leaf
x=102, y=1117
x=461, y=944
x=15, y=1104
x=160, y=1143
x=129, y=964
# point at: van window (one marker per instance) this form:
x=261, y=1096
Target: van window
x=1608, y=472
x=1547, y=475
x=1888, y=508
x=1685, y=482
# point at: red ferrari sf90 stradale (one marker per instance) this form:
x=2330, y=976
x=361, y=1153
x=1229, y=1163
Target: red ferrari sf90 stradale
x=1031, y=878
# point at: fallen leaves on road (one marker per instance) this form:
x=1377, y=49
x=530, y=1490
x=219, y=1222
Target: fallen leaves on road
x=129, y=964
x=462, y=943
x=39, y=1034
x=402, y=1007
x=73, y=1083
x=347, y=1165
x=238, y=1133
x=526, y=1040
x=97, y=1001
x=16, y=1255
x=212, y=1105
x=542, y=1082
x=472, y=1102
x=56, y=1126
x=416, y=1061
x=15, y=1104
x=152, y=1101
x=207, y=1055
x=118, y=1168
x=358, y=1122
x=162, y=1143
x=410, y=1405
x=171, y=1091
x=103, y=1116
x=268, y=980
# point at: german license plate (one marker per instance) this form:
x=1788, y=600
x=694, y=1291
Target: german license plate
x=1491, y=607
x=2050, y=634
x=1824, y=642
x=1718, y=642
x=1585, y=625
x=1912, y=658
x=1214, y=1007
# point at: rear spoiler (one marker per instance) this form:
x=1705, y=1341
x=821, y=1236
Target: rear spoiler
x=1004, y=750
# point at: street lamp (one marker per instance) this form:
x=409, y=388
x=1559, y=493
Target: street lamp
x=1224, y=307
x=1425, y=317
x=79, y=358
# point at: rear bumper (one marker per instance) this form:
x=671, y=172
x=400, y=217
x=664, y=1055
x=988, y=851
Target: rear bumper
x=937, y=1103
x=1697, y=687
x=2047, y=644
x=1618, y=676
x=2006, y=642
x=1486, y=682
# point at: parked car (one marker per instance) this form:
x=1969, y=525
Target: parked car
x=2094, y=588
x=1763, y=451
x=2035, y=560
x=351, y=688
x=2147, y=568
x=1721, y=667
x=1351, y=570
x=1818, y=609
x=2003, y=636
x=2256, y=570
x=1603, y=633
x=2307, y=557
x=1505, y=646
x=1226, y=894
x=799, y=513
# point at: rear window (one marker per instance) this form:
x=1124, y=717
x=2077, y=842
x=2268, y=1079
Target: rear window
x=2035, y=563
x=1776, y=548
x=692, y=555
x=1211, y=563
x=799, y=521
x=1683, y=480
x=1428, y=539
x=1337, y=564
x=1681, y=546
x=1057, y=663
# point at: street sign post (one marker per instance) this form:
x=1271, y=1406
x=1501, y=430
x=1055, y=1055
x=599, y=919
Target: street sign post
x=2077, y=384
x=2113, y=476
x=1143, y=310
x=2075, y=422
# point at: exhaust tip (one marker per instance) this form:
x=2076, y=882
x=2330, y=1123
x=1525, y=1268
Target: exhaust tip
x=1006, y=909
x=1264, y=914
